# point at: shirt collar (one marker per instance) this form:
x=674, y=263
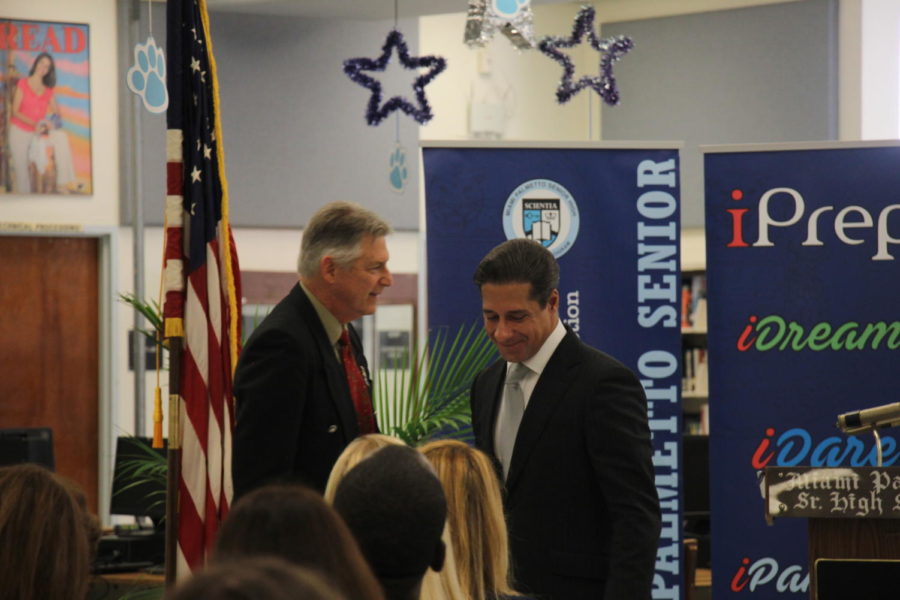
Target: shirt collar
x=333, y=327
x=539, y=361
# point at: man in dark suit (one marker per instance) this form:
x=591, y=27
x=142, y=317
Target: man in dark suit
x=568, y=426
x=301, y=384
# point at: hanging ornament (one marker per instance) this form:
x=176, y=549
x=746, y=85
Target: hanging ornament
x=147, y=76
x=610, y=49
x=398, y=174
x=513, y=18
x=375, y=111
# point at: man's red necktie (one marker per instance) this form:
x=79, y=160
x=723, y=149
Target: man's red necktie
x=359, y=388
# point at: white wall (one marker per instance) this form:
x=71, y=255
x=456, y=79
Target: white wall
x=880, y=94
x=531, y=76
x=869, y=69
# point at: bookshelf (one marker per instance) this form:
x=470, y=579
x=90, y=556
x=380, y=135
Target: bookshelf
x=695, y=364
x=695, y=392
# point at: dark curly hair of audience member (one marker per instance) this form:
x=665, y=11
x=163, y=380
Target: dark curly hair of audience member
x=44, y=549
x=295, y=523
x=394, y=505
x=261, y=578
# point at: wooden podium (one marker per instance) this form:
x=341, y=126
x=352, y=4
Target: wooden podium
x=852, y=512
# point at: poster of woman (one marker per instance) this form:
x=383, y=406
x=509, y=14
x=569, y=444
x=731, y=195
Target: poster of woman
x=46, y=108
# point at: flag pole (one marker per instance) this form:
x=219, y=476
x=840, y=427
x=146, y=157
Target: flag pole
x=202, y=283
x=173, y=457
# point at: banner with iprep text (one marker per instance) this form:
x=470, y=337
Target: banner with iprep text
x=804, y=324
x=611, y=218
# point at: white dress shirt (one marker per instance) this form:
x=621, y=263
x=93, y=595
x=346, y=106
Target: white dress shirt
x=536, y=366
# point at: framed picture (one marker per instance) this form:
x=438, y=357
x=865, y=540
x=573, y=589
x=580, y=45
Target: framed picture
x=45, y=100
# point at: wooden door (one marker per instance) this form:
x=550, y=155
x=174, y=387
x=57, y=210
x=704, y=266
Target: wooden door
x=49, y=349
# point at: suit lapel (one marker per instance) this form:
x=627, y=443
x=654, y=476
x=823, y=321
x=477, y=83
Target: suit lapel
x=551, y=388
x=338, y=389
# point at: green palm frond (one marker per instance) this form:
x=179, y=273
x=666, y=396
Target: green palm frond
x=151, y=312
x=145, y=465
x=425, y=393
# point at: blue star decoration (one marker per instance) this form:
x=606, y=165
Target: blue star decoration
x=376, y=111
x=610, y=49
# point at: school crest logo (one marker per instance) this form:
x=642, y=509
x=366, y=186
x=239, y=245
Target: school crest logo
x=540, y=219
x=544, y=211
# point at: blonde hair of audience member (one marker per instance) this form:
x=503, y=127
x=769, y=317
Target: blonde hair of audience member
x=444, y=584
x=295, y=523
x=256, y=578
x=44, y=547
x=360, y=448
x=475, y=516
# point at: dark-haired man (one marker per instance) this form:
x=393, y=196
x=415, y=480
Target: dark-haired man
x=568, y=427
x=301, y=384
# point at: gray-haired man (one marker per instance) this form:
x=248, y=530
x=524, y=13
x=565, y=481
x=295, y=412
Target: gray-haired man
x=301, y=385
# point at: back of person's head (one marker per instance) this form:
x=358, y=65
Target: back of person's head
x=360, y=448
x=520, y=261
x=91, y=522
x=436, y=585
x=394, y=505
x=259, y=578
x=296, y=524
x=44, y=547
x=336, y=230
x=475, y=516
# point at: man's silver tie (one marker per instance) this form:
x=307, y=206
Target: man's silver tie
x=511, y=415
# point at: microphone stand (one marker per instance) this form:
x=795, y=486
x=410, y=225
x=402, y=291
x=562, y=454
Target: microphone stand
x=877, y=445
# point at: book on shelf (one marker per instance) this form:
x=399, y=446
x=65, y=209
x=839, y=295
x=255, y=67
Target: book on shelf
x=704, y=419
x=698, y=317
x=697, y=423
x=685, y=306
x=695, y=379
x=693, y=302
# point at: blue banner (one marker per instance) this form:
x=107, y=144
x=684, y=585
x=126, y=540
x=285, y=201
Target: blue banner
x=611, y=217
x=804, y=324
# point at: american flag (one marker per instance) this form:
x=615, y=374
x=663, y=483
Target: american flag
x=201, y=281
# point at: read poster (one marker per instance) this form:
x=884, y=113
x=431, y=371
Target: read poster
x=45, y=127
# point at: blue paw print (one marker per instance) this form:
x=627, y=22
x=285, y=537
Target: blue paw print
x=508, y=8
x=398, y=170
x=147, y=76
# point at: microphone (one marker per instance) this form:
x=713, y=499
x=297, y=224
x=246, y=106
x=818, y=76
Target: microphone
x=877, y=417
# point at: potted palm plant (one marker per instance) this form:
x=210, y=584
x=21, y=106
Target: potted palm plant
x=424, y=394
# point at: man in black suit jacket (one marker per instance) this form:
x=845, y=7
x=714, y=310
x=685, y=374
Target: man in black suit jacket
x=295, y=408
x=581, y=502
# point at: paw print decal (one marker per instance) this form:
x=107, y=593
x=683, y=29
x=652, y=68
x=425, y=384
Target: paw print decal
x=508, y=8
x=399, y=174
x=147, y=76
